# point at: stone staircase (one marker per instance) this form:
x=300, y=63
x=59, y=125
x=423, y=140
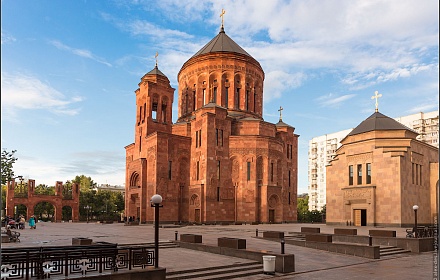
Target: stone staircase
x=233, y=271
x=391, y=250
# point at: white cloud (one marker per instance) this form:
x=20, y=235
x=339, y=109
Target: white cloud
x=277, y=82
x=424, y=108
x=79, y=52
x=25, y=92
x=369, y=42
x=102, y=166
x=331, y=100
x=6, y=38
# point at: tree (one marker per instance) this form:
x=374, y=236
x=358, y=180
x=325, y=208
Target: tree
x=85, y=183
x=303, y=209
x=4, y=196
x=7, y=163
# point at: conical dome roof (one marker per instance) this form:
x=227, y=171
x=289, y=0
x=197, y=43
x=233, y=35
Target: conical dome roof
x=221, y=43
x=156, y=71
x=378, y=121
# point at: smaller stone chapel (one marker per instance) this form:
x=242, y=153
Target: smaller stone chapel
x=379, y=173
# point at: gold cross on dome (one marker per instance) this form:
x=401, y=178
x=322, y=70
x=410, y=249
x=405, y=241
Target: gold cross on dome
x=157, y=54
x=376, y=96
x=281, y=113
x=222, y=15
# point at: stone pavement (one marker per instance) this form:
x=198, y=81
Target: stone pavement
x=309, y=263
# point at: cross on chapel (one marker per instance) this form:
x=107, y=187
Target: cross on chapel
x=281, y=113
x=157, y=54
x=376, y=96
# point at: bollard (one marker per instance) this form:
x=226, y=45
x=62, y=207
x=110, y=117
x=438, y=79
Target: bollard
x=256, y=232
x=175, y=235
x=282, y=246
x=370, y=240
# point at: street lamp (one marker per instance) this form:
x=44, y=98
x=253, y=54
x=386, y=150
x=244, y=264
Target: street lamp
x=156, y=200
x=87, y=207
x=415, y=208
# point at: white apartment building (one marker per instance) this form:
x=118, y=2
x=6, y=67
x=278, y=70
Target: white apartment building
x=322, y=149
x=426, y=124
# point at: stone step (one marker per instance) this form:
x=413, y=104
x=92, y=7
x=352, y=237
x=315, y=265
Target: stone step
x=219, y=272
x=391, y=250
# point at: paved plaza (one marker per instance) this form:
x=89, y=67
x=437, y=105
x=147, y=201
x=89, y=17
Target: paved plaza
x=309, y=263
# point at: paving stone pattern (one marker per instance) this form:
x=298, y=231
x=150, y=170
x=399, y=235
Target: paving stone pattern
x=309, y=263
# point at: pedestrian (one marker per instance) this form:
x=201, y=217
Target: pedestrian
x=32, y=222
x=22, y=222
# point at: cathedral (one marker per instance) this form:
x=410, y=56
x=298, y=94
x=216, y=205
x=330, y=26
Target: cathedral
x=220, y=162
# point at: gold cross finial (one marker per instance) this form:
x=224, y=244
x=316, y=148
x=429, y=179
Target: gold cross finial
x=222, y=15
x=157, y=54
x=376, y=96
x=281, y=113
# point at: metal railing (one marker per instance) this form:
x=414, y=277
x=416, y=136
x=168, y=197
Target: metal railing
x=68, y=261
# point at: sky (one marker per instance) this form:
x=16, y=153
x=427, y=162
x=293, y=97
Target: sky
x=69, y=70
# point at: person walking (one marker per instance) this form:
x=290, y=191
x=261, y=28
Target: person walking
x=21, y=222
x=32, y=222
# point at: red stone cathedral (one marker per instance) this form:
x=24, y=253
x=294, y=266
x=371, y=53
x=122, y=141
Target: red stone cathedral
x=220, y=162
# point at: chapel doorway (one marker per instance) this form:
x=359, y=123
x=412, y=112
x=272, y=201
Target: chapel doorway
x=360, y=217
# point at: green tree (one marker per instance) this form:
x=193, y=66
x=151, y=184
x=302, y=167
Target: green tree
x=303, y=209
x=44, y=190
x=4, y=196
x=85, y=183
x=324, y=212
x=7, y=165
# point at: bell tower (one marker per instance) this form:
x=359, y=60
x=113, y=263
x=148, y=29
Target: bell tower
x=154, y=99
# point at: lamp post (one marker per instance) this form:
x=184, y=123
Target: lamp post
x=415, y=208
x=87, y=207
x=156, y=200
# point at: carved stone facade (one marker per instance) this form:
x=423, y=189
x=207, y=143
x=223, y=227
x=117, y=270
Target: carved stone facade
x=220, y=162
x=379, y=173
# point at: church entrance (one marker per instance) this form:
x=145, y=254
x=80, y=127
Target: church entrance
x=197, y=216
x=271, y=215
x=360, y=217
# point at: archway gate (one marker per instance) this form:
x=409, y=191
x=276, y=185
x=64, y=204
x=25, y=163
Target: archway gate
x=30, y=199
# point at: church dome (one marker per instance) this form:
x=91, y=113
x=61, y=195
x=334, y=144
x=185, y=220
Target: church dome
x=221, y=43
x=224, y=74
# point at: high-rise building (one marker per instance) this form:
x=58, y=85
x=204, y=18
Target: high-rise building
x=425, y=124
x=322, y=149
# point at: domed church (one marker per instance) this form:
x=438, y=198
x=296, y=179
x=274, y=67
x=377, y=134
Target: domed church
x=220, y=162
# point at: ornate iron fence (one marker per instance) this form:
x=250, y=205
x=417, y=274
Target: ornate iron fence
x=68, y=261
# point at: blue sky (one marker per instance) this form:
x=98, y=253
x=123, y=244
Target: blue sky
x=70, y=69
